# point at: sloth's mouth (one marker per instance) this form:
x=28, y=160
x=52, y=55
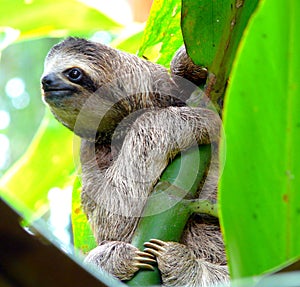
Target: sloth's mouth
x=58, y=88
x=57, y=92
x=49, y=92
x=56, y=96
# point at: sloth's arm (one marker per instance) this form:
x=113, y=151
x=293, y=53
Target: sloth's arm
x=153, y=139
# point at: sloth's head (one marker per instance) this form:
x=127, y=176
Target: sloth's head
x=76, y=84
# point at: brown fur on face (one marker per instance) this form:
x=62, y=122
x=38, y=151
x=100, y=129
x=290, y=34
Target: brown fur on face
x=132, y=118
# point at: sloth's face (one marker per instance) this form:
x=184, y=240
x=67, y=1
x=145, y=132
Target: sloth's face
x=78, y=94
x=58, y=86
x=66, y=88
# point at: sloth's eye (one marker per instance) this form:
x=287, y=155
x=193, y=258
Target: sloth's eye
x=74, y=74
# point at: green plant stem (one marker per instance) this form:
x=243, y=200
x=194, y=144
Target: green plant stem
x=203, y=206
x=168, y=225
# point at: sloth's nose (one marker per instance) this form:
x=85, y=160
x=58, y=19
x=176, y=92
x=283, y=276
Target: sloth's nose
x=47, y=81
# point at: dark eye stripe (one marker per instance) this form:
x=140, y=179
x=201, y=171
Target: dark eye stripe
x=88, y=84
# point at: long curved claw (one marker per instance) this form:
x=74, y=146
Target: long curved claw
x=144, y=260
x=144, y=266
x=155, y=247
x=158, y=242
x=144, y=254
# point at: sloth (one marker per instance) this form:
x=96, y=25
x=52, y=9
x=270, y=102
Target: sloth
x=133, y=119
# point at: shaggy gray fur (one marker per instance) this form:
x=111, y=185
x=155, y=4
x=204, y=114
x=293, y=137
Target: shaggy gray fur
x=132, y=118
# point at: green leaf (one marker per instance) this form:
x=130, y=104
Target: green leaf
x=212, y=31
x=46, y=164
x=259, y=195
x=162, y=35
x=83, y=236
x=130, y=42
x=53, y=18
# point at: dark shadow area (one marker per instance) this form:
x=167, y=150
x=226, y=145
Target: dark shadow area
x=26, y=261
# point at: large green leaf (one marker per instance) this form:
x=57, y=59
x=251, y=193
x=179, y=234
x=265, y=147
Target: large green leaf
x=259, y=193
x=57, y=18
x=162, y=36
x=212, y=31
x=48, y=163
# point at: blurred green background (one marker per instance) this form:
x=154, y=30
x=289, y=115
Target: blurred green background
x=21, y=104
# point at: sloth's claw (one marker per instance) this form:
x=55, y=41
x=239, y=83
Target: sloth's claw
x=155, y=247
x=144, y=260
x=143, y=266
x=144, y=254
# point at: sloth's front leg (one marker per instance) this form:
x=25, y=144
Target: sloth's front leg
x=180, y=267
x=154, y=139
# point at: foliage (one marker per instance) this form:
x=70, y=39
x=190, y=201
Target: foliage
x=53, y=18
x=212, y=31
x=162, y=35
x=20, y=98
x=84, y=239
x=30, y=179
x=259, y=193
